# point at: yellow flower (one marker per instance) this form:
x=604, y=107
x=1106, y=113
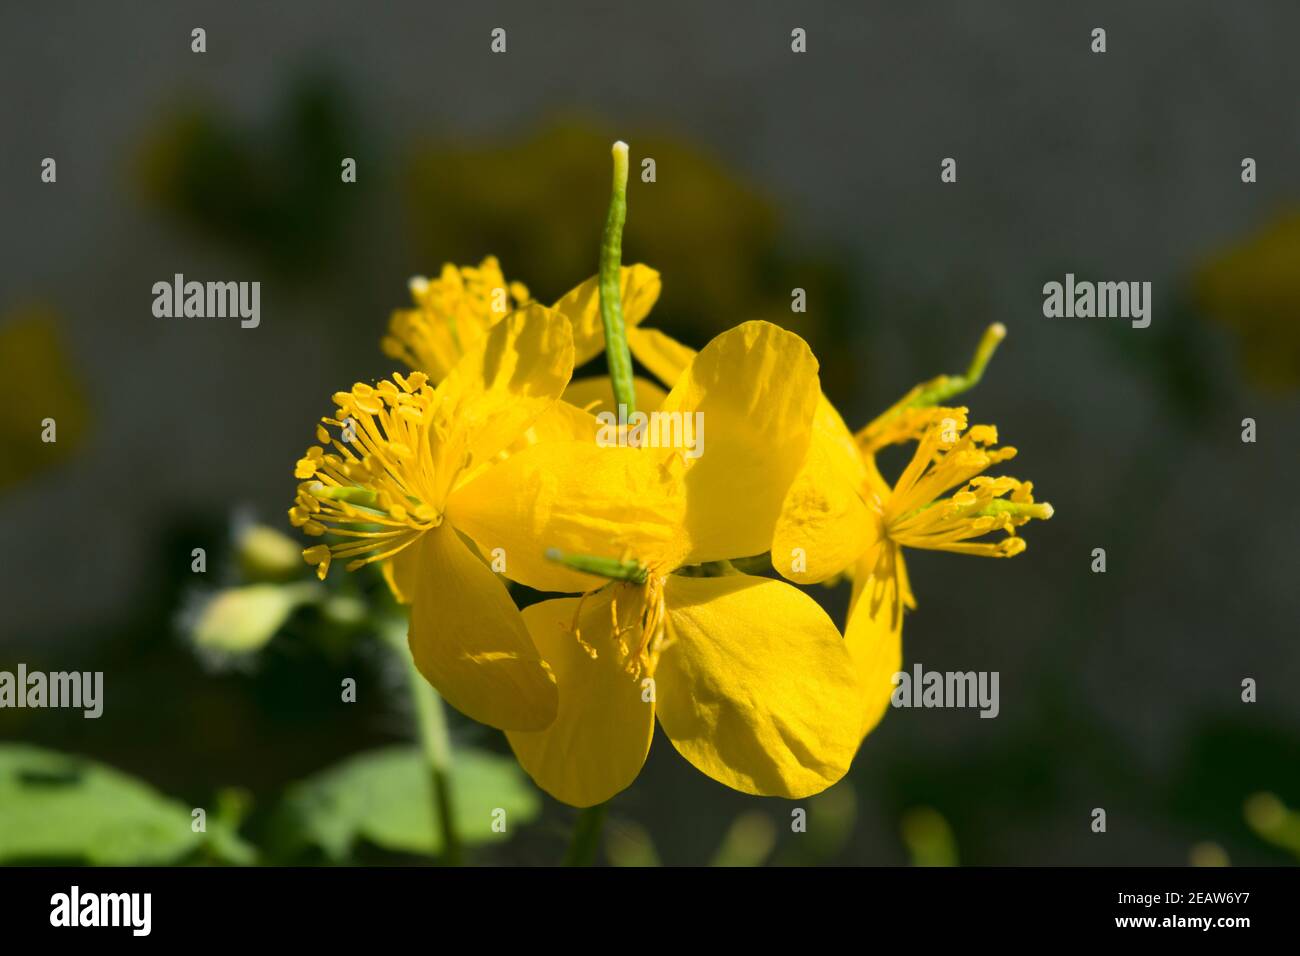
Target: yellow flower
x=841, y=515
x=747, y=676
x=639, y=288
x=461, y=306
x=663, y=356
x=455, y=311
x=452, y=314
x=403, y=491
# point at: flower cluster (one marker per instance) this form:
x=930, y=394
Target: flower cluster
x=481, y=465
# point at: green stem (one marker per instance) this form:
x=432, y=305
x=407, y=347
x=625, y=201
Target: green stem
x=948, y=386
x=586, y=833
x=711, y=569
x=756, y=564
x=937, y=390
x=354, y=496
x=586, y=836
x=616, y=569
x=617, y=353
x=431, y=722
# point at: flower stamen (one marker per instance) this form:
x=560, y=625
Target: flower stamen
x=375, y=490
x=948, y=456
x=451, y=313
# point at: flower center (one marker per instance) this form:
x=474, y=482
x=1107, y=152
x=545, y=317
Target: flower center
x=948, y=456
x=376, y=490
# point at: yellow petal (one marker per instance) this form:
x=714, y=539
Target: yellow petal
x=756, y=687
x=469, y=640
x=756, y=388
x=399, y=573
x=451, y=316
x=578, y=497
x=424, y=342
x=834, y=436
x=581, y=306
x=874, y=634
x=563, y=421
x=826, y=521
x=663, y=355
x=596, y=394
x=501, y=387
x=877, y=488
x=603, y=729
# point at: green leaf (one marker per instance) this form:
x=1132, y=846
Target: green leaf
x=55, y=807
x=748, y=841
x=385, y=796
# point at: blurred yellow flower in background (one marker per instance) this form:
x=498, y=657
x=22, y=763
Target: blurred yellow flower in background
x=509, y=194
x=1254, y=289
x=38, y=382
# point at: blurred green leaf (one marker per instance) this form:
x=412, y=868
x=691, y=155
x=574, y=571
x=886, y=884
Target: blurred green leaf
x=627, y=843
x=274, y=193
x=1270, y=819
x=231, y=806
x=1226, y=762
x=928, y=837
x=1175, y=357
x=385, y=796
x=1208, y=853
x=55, y=807
x=748, y=841
x=832, y=816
